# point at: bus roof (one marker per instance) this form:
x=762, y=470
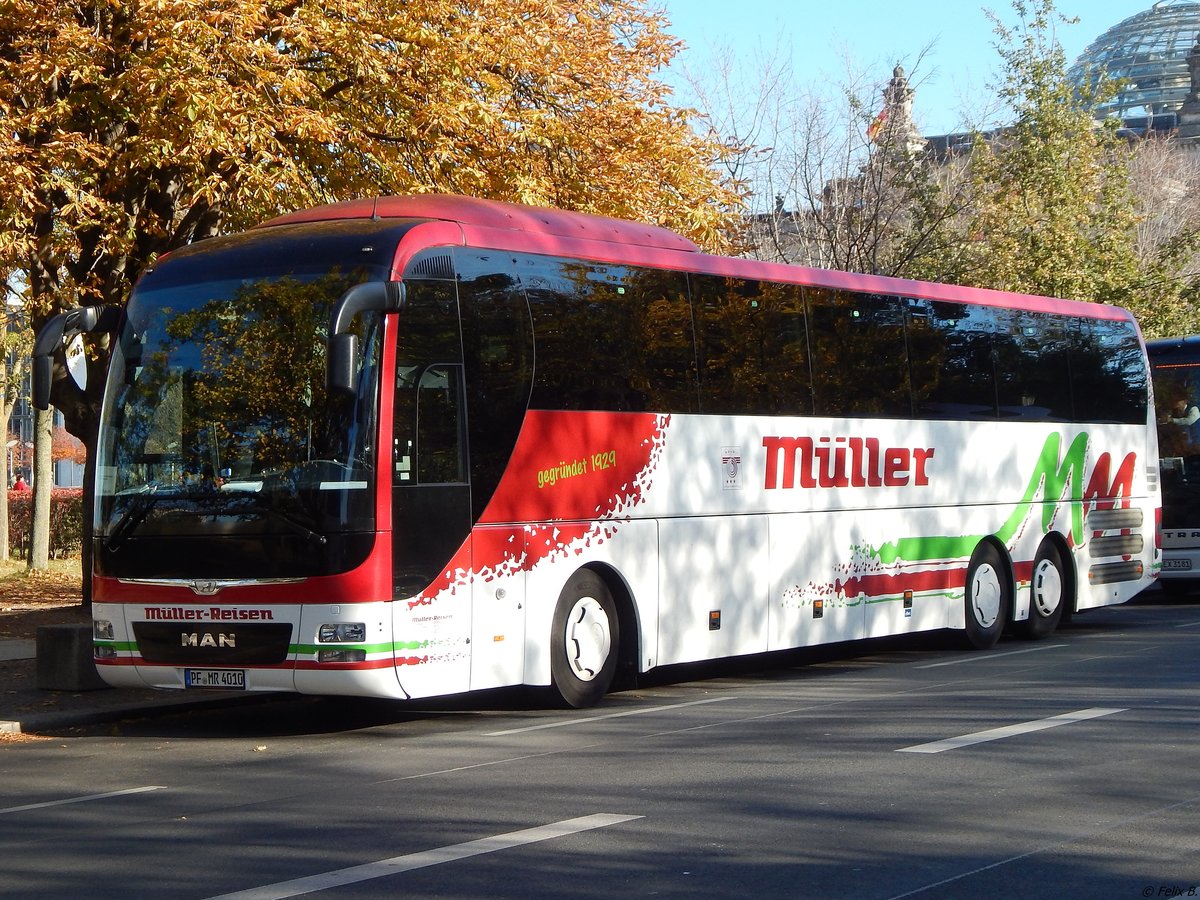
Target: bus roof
x=1188, y=342
x=495, y=214
x=512, y=226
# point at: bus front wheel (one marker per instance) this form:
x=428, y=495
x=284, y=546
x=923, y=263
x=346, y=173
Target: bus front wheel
x=987, y=598
x=584, y=638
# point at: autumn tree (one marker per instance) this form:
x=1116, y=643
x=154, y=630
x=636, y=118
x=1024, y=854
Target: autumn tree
x=131, y=129
x=65, y=447
x=128, y=130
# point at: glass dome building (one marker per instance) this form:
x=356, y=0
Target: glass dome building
x=1149, y=53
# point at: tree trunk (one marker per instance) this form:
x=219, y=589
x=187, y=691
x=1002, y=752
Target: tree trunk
x=6, y=410
x=5, y=417
x=43, y=486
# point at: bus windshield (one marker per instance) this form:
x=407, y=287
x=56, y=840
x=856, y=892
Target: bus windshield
x=218, y=425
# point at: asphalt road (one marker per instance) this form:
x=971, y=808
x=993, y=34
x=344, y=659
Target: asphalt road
x=1068, y=767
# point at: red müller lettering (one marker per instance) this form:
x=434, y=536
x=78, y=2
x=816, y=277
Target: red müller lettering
x=829, y=462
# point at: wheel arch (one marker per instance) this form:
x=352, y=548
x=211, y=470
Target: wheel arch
x=1009, y=570
x=629, y=646
x=978, y=633
x=1070, y=571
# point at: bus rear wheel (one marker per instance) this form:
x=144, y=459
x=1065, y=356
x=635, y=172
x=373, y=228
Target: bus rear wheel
x=1049, y=593
x=584, y=638
x=988, y=598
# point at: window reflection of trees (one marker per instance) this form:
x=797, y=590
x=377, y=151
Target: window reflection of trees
x=753, y=347
x=614, y=337
x=1108, y=373
x=860, y=365
x=1033, y=376
x=610, y=337
x=497, y=338
x=255, y=400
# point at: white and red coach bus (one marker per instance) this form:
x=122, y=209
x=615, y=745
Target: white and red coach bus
x=407, y=447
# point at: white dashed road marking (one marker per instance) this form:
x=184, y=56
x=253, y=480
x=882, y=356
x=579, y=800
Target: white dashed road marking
x=397, y=864
x=996, y=734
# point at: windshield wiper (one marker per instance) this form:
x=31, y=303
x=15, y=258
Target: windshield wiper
x=132, y=518
x=289, y=519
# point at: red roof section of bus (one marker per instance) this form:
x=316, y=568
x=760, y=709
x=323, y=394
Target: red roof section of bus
x=494, y=214
x=510, y=226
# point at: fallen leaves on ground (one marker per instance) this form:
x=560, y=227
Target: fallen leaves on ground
x=31, y=599
x=11, y=737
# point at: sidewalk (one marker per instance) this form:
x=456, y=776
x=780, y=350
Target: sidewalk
x=27, y=709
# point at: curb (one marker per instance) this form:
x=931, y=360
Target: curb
x=37, y=723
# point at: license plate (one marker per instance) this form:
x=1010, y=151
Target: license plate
x=222, y=679
x=1177, y=564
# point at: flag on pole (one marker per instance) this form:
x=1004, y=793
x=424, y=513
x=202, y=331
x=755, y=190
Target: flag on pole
x=877, y=125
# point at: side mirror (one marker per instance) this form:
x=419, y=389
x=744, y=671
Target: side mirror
x=343, y=361
x=43, y=377
x=342, y=352
x=55, y=333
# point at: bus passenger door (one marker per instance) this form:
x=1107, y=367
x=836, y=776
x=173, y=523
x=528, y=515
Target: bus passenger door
x=431, y=497
x=431, y=516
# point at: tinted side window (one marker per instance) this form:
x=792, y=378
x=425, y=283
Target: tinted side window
x=1033, y=375
x=1108, y=373
x=427, y=435
x=609, y=337
x=666, y=364
x=859, y=358
x=752, y=345
x=950, y=355
x=498, y=363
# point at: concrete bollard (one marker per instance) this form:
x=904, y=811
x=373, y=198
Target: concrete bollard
x=64, y=659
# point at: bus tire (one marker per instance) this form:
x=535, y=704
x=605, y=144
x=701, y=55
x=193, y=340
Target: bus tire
x=584, y=640
x=1050, y=593
x=988, y=598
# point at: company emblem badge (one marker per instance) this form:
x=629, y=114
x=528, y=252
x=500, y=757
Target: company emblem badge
x=205, y=588
x=731, y=468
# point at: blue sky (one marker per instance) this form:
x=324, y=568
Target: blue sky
x=871, y=36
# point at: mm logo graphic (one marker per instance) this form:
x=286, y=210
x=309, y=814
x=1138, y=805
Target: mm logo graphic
x=1057, y=482
x=196, y=639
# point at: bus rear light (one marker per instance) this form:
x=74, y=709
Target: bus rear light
x=340, y=655
x=102, y=629
x=342, y=633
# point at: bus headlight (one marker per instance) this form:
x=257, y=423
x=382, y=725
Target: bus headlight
x=102, y=652
x=342, y=632
x=102, y=629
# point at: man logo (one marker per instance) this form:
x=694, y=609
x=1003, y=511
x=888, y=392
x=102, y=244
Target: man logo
x=195, y=639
